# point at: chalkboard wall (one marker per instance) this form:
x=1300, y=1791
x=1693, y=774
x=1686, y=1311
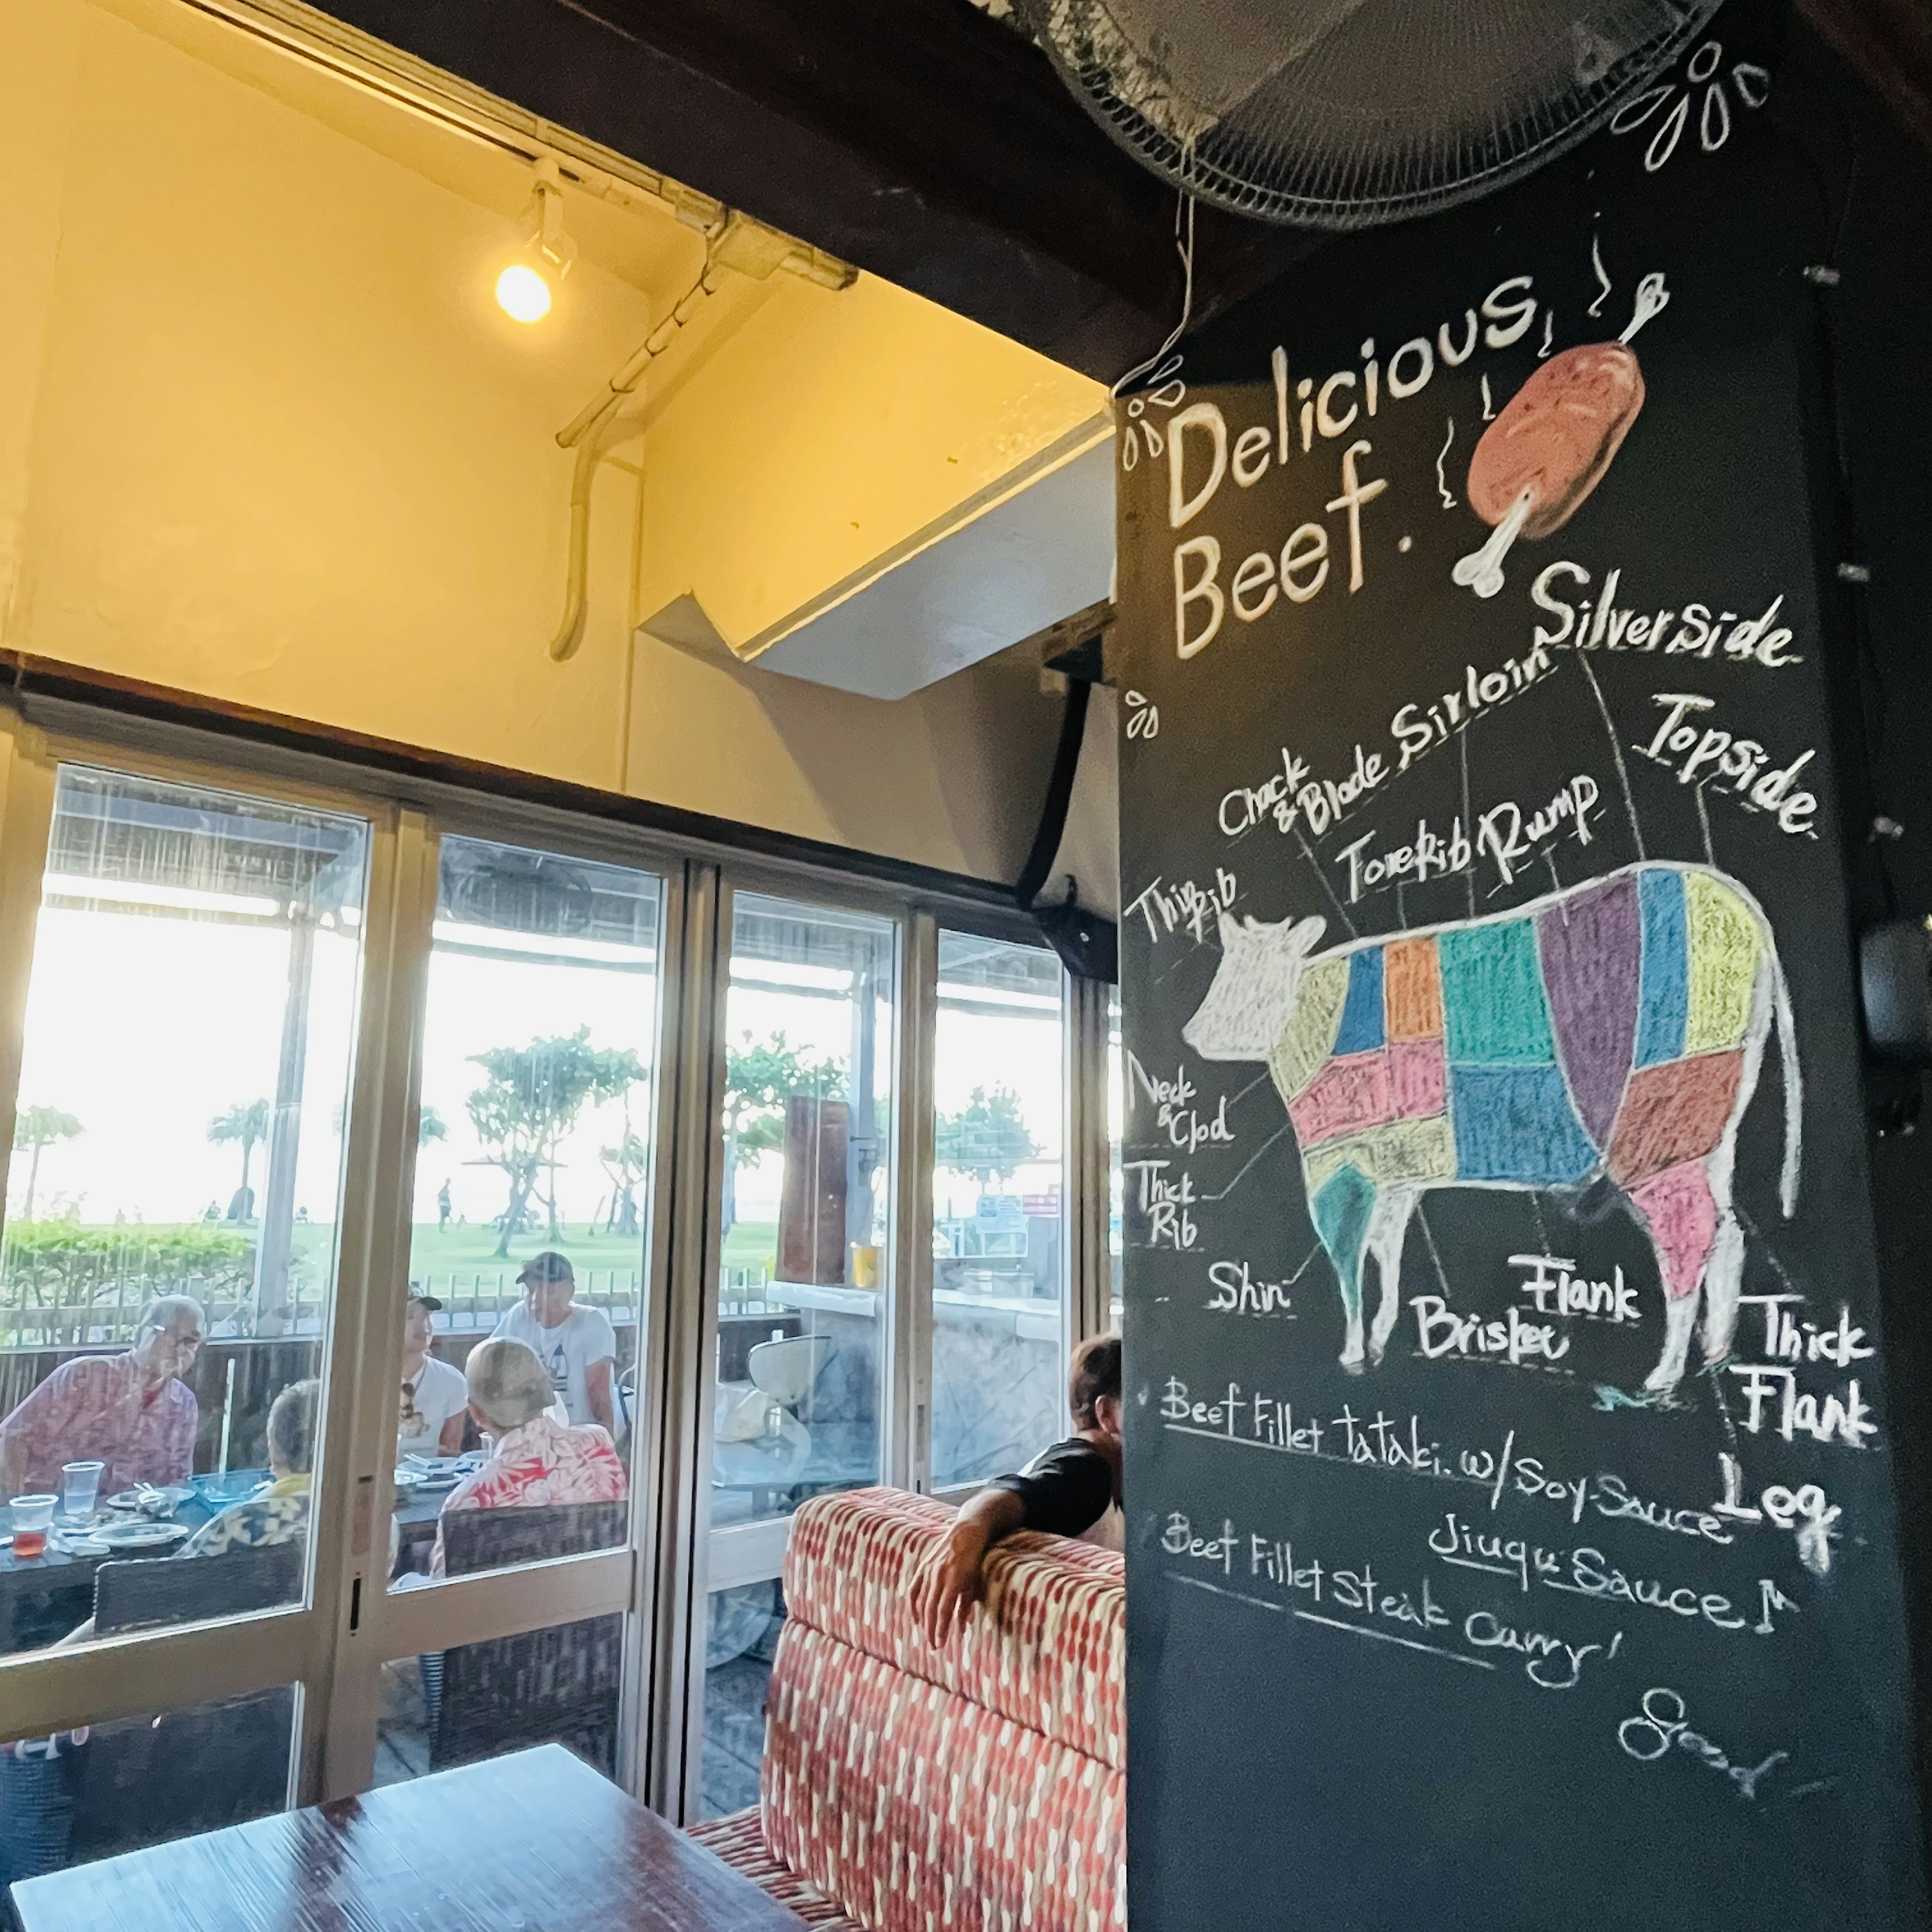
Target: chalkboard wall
x=1513, y=1540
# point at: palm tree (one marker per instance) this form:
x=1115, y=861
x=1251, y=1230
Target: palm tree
x=35, y=1128
x=247, y=1122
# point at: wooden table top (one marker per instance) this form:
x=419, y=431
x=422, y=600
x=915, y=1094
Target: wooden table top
x=533, y=1842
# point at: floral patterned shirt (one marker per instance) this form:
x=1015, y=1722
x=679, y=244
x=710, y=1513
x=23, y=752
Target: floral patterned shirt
x=543, y=1462
x=279, y=1514
x=94, y=1409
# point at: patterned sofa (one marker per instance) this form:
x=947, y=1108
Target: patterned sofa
x=975, y=1788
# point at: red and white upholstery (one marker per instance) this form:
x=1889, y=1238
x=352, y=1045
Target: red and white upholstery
x=979, y=1788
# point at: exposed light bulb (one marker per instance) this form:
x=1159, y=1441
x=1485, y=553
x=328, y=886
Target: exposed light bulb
x=522, y=294
x=525, y=289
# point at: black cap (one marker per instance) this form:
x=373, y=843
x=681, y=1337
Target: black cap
x=548, y=1266
x=428, y=1301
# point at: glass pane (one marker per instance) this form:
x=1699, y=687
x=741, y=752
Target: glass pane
x=96, y=1792
x=998, y=1247
x=806, y=1261
x=169, y=1261
x=741, y=1639
x=1117, y=1112
x=558, y=1685
x=533, y=1183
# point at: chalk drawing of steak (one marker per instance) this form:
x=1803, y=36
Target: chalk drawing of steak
x=1552, y=442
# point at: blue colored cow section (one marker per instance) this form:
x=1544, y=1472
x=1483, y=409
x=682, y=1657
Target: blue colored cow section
x=1516, y=1124
x=1341, y=1212
x=1495, y=1010
x=1664, y=989
x=1361, y=1028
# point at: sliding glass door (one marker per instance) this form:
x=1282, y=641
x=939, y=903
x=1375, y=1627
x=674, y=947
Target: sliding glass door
x=530, y=1227
x=443, y=1245
x=999, y=1222
x=795, y=1384
x=170, y=1273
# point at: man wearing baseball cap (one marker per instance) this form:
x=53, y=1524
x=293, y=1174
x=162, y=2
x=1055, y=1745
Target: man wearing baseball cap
x=435, y=1398
x=577, y=1346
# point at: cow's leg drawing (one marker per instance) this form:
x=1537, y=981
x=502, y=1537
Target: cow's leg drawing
x=1681, y=1215
x=1723, y=1272
x=1388, y=1226
x=1344, y=1206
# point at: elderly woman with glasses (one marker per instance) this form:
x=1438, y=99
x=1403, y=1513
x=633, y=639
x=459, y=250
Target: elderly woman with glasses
x=532, y=1458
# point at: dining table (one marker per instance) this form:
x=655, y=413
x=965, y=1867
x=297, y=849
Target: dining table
x=533, y=1841
x=43, y=1597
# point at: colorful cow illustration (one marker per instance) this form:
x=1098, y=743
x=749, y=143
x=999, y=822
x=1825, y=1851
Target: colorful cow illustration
x=1612, y=1032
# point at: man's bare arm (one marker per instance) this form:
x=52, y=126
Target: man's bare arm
x=953, y=1580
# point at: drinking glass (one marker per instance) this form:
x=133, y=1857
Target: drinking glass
x=31, y=1515
x=80, y=1484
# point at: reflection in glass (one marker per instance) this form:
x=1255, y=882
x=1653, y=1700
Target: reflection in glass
x=742, y=1629
x=998, y=1269
x=805, y=1263
x=532, y=1182
x=167, y=1269
x=107, y=1788
x=805, y=1280
x=556, y=1685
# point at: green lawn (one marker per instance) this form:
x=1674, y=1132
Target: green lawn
x=472, y=1249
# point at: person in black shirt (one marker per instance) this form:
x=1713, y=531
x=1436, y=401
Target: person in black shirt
x=1065, y=1491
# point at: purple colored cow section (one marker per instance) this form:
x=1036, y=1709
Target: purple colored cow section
x=1591, y=945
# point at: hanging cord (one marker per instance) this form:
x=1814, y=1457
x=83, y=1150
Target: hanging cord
x=1184, y=247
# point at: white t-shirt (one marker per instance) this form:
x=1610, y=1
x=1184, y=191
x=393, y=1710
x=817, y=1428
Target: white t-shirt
x=583, y=1338
x=440, y=1392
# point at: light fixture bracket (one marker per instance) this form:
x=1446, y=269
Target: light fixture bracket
x=549, y=238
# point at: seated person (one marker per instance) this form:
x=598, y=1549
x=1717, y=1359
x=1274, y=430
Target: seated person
x=279, y=1513
x=1071, y=1489
x=533, y=1460
x=131, y=1412
x=436, y=1399
x=577, y=1346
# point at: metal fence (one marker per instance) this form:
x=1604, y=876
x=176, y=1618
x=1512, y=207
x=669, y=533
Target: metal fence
x=41, y=1316
x=61, y=1315
x=474, y=1298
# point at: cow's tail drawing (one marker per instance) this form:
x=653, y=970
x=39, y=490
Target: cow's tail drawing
x=1793, y=1083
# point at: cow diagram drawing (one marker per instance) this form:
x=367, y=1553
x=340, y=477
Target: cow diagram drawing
x=1609, y=1034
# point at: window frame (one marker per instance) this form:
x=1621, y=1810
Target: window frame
x=335, y=1644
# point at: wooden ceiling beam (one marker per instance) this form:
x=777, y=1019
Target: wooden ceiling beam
x=1888, y=44
x=919, y=139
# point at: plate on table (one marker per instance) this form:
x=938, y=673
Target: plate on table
x=140, y=1535
x=164, y=1500
x=75, y=1542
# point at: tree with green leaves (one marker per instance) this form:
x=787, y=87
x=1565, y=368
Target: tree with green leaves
x=625, y=1164
x=987, y=1138
x=35, y=1129
x=247, y=1122
x=527, y=1105
x=759, y=1077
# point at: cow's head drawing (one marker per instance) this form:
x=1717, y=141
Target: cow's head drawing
x=1253, y=999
